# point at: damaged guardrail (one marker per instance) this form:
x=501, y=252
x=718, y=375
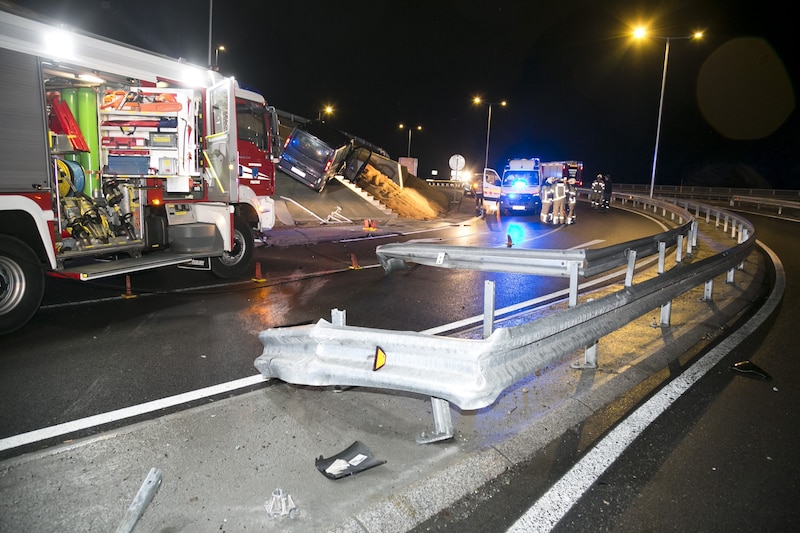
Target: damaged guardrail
x=473, y=373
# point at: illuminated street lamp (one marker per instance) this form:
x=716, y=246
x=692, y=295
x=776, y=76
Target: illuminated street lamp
x=327, y=110
x=641, y=33
x=219, y=49
x=410, y=128
x=477, y=101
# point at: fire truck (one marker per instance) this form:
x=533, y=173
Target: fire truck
x=563, y=169
x=115, y=160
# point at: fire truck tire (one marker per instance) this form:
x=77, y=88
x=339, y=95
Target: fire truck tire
x=21, y=284
x=239, y=260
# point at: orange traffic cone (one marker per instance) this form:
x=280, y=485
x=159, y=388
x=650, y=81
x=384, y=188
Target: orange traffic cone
x=258, y=278
x=128, y=292
x=354, y=262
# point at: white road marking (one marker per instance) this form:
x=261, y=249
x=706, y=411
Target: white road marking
x=120, y=414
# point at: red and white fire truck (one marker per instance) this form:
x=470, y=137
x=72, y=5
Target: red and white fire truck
x=563, y=169
x=114, y=160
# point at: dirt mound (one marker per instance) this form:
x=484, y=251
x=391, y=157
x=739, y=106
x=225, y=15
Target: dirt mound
x=416, y=200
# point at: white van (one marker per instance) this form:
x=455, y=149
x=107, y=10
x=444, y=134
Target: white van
x=521, y=186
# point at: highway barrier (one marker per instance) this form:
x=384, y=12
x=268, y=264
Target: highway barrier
x=473, y=373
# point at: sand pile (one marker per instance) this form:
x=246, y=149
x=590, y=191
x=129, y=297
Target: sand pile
x=417, y=200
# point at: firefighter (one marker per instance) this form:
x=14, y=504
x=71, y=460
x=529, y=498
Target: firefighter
x=572, y=199
x=597, y=191
x=547, y=201
x=559, y=197
x=606, y=192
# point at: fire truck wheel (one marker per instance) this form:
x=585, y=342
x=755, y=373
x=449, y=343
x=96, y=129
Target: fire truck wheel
x=239, y=260
x=21, y=284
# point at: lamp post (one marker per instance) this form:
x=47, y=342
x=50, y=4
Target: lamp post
x=219, y=49
x=403, y=126
x=477, y=100
x=640, y=33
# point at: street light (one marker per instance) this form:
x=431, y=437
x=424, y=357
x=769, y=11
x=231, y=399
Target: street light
x=219, y=49
x=328, y=110
x=403, y=126
x=477, y=100
x=641, y=33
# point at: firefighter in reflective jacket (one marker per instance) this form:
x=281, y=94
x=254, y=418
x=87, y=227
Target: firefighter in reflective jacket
x=606, y=192
x=559, y=197
x=572, y=199
x=547, y=200
x=597, y=191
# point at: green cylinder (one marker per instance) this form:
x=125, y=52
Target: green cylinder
x=70, y=96
x=87, y=121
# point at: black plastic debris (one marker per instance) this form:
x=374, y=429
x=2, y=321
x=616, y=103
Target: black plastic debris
x=750, y=369
x=356, y=458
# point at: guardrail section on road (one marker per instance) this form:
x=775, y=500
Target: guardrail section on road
x=473, y=373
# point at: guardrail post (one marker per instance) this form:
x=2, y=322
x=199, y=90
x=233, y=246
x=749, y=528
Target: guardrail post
x=488, y=308
x=442, y=423
x=589, y=359
x=743, y=236
x=573, y=284
x=666, y=310
x=631, y=266
x=679, y=249
x=338, y=317
x=662, y=253
x=694, y=231
x=708, y=288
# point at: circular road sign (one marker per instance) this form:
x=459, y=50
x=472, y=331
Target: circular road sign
x=457, y=162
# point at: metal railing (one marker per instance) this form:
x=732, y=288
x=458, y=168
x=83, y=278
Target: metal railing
x=771, y=201
x=472, y=373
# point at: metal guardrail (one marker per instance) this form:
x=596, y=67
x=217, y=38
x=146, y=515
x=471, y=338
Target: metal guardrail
x=445, y=184
x=758, y=201
x=473, y=373
x=697, y=191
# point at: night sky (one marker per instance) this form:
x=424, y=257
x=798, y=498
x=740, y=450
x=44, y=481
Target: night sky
x=577, y=86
